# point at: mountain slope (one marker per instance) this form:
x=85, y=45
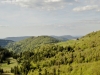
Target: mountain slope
x=31, y=43
x=88, y=41
x=3, y=42
x=74, y=57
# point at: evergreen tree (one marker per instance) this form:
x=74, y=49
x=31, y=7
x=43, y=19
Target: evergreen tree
x=54, y=71
x=46, y=73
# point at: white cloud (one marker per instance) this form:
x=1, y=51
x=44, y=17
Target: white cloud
x=86, y=5
x=40, y=4
x=86, y=8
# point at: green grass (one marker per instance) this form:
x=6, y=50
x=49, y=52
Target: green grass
x=67, y=43
x=7, y=67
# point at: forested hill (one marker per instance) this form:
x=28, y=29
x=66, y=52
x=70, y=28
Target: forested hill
x=4, y=53
x=4, y=42
x=30, y=43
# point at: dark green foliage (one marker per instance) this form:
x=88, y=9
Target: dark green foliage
x=54, y=71
x=26, y=65
x=40, y=71
x=12, y=70
x=1, y=70
x=16, y=70
x=4, y=53
x=70, y=68
x=8, y=62
x=58, y=72
x=46, y=73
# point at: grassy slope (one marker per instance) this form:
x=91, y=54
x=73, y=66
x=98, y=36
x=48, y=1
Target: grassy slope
x=7, y=74
x=7, y=67
x=90, y=45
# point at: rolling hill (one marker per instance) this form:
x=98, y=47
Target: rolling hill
x=30, y=43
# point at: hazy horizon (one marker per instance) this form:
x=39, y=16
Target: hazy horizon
x=48, y=17
x=38, y=35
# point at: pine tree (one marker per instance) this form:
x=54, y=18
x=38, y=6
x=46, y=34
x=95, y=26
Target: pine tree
x=54, y=71
x=58, y=72
x=45, y=72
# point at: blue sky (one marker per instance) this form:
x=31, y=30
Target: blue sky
x=48, y=17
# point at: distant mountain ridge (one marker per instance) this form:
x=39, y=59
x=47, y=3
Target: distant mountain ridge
x=3, y=42
x=6, y=41
x=17, y=38
x=65, y=37
x=61, y=38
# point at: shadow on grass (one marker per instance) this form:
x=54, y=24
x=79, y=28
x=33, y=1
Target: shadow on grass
x=5, y=74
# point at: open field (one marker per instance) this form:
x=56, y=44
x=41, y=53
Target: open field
x=6, y=68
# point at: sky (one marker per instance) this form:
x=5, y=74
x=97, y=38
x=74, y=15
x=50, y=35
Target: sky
x=48, y=17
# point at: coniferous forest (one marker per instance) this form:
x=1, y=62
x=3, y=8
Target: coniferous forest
x=44, y=55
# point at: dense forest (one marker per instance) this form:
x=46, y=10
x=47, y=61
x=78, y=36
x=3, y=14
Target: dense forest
x=4, y=54
x=47, y=56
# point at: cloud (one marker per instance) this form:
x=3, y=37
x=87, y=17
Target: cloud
x=87, y=5
x=86, y=8
x=41, y=4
